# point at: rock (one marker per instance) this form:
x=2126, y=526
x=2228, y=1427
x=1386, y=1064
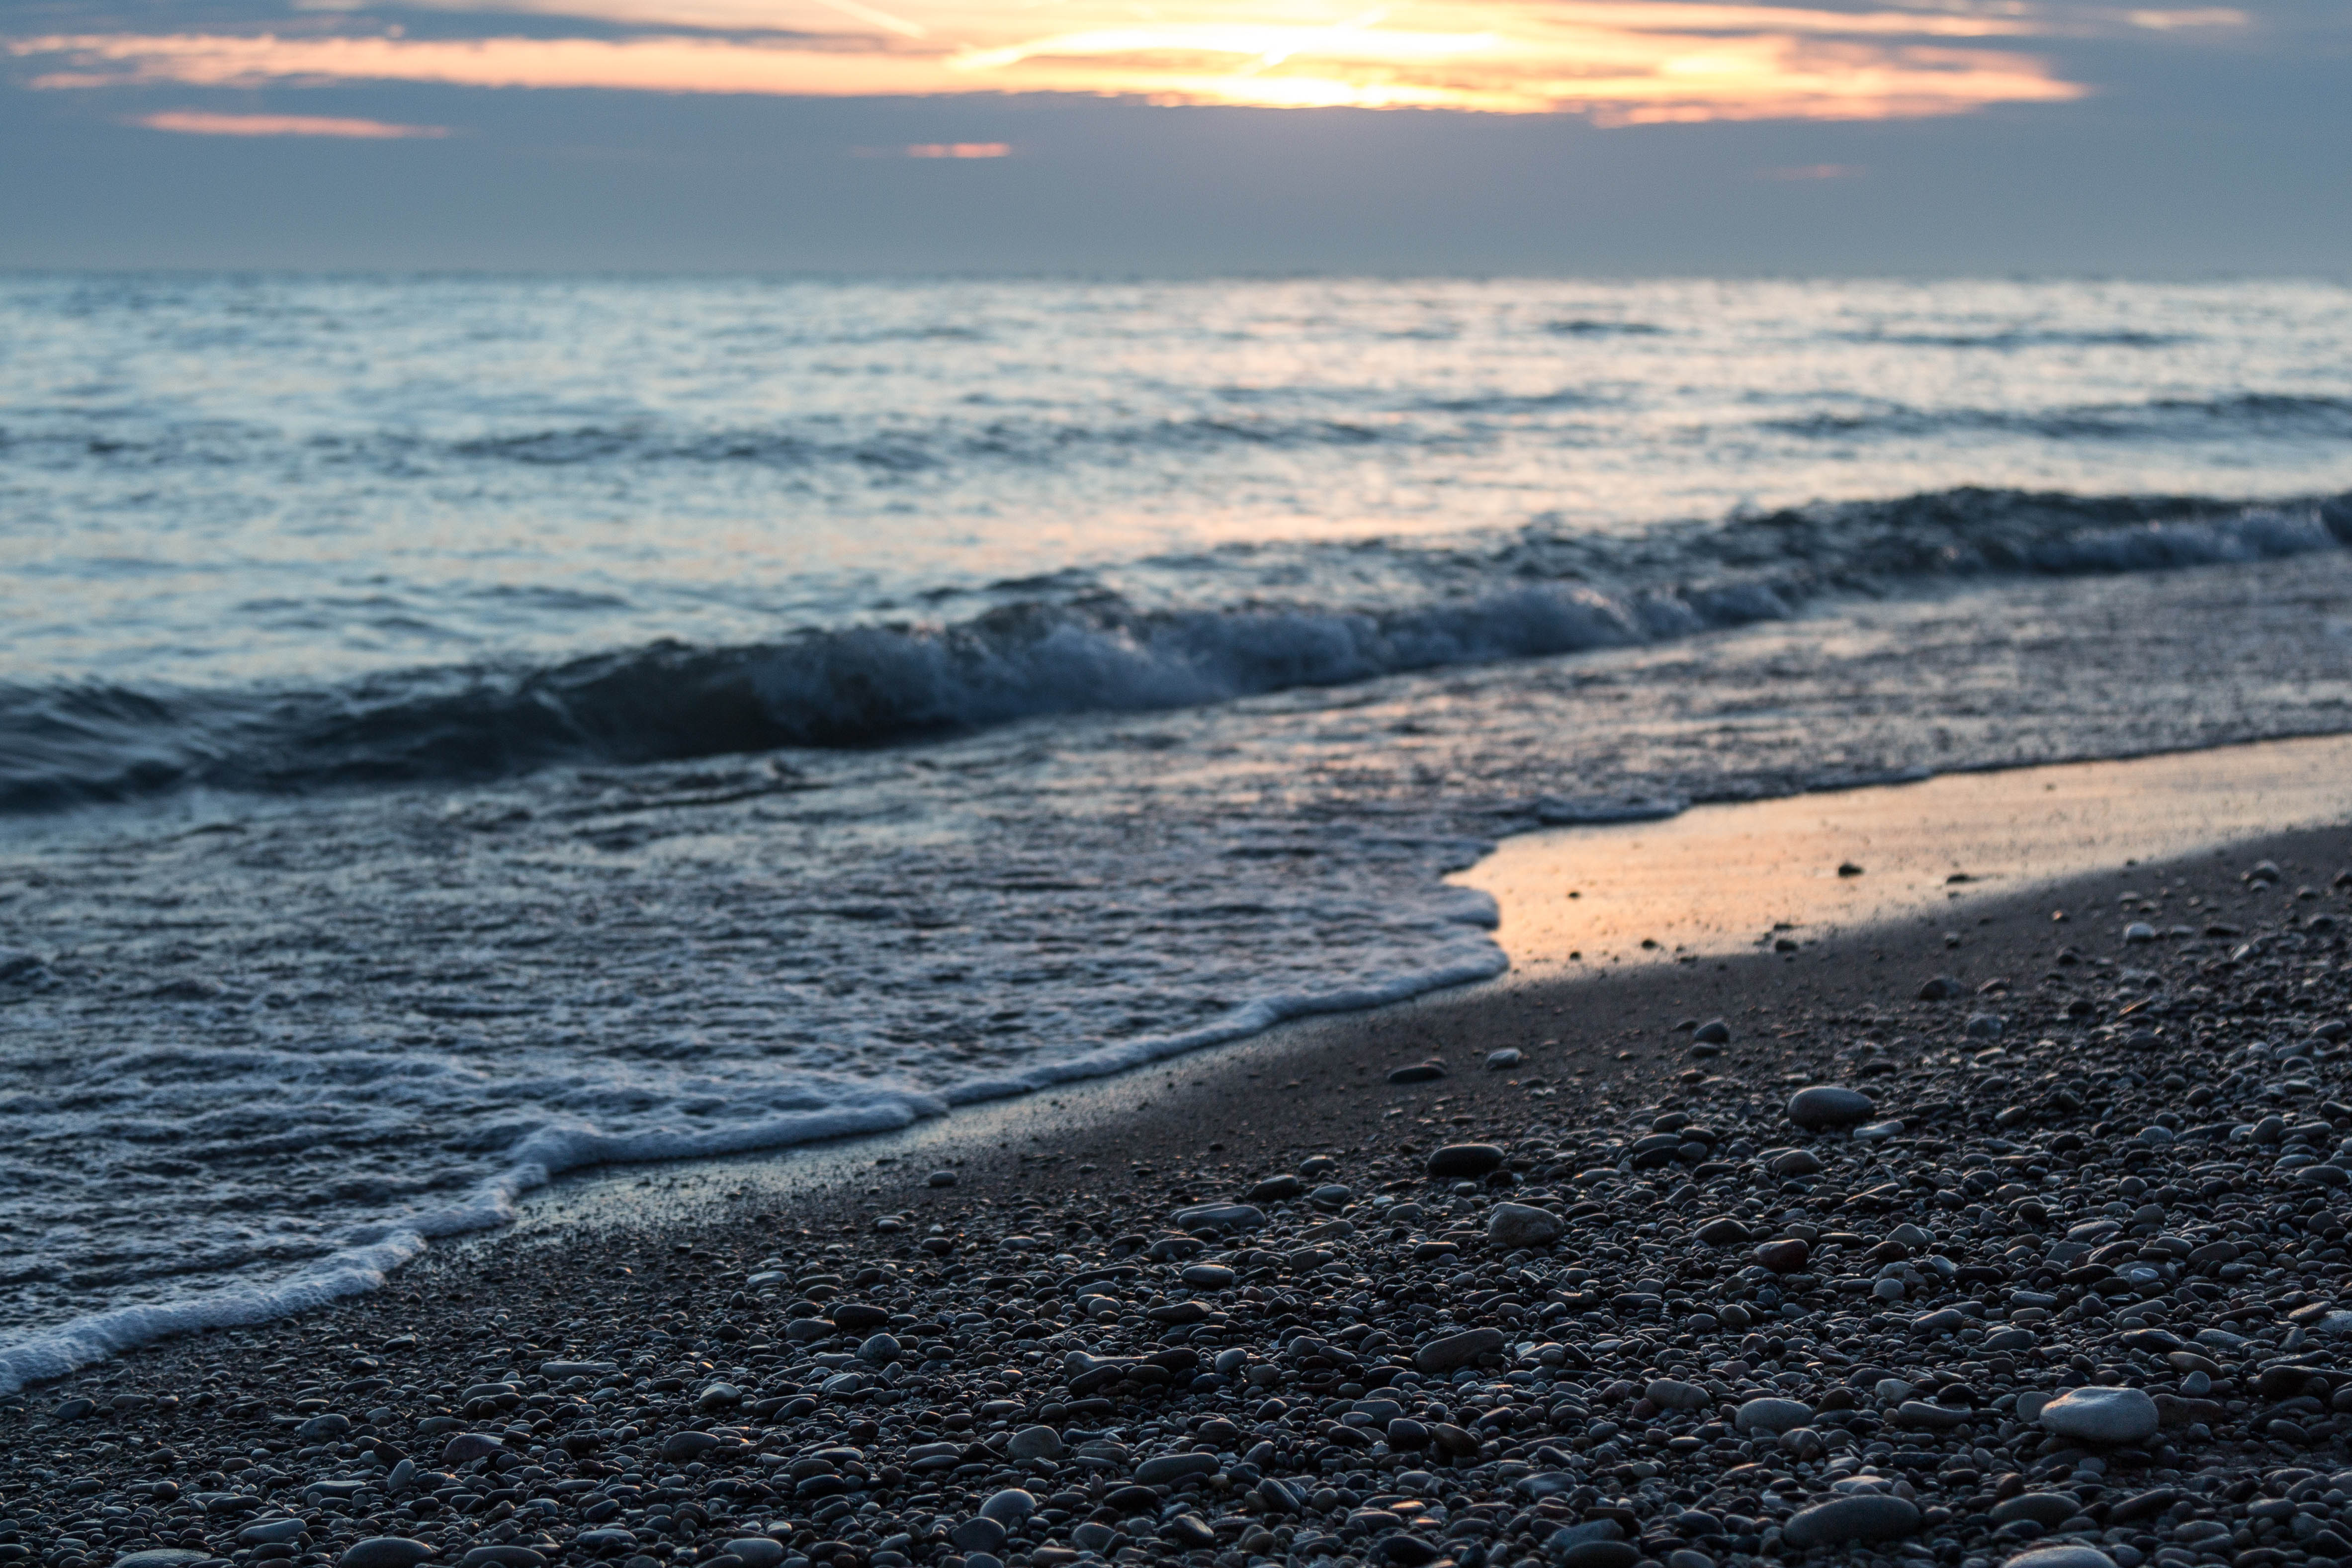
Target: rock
x=1275, y=1189
x=979, y=1535
x=879, y=1350
x=2068, y=1555
x=466, y=1447
x=679, y=1448
x=161, y=1557
x=1673, y=1394
x=387, y=1552
x=1942, y=988
x=1219, y=1217
x=1208, y=1276
x=271, y=1531
x=1036, y=1443
x=1597, y=1543
x=726, y=1396
x=1785, y=1256
x=1985, y=1026
x=859, y=1317
x=2139, y=931
x=940, y=1179
x=1168, y=1469
x=1861, y=1516
x=502, y=1557
x=1188, y=1532
x=1464, y=1160
x=2101, y=1415
x=1401, y=1549
x=1010, y=1506
x=1507, y=1057
x=757, y=1550
x=2048, y=1510
x=1772, y=1414
x=1456, y=1349
x=1514, y=1226
x=1714, y=1031
x=1419, y=1072
x=1824, y=1107
x=1723, y=1231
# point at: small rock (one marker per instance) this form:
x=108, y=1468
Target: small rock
x=2139, y=931
x=1848, y=868
x=757, y=1550
x=1785, y=1256
x=1168, y=1469
x=1723, y=1231
x=1010, y=1506
x=1036, y=1443
x=1985, y=1026
x=1419, y=1072
x=1459, y=1160
x=387, y=1551
x=1864, y=1516
x=161, y=1557
x=940, y=1179
x=466, y=1447
x=1275, y=1189
x=1714, y=1031
x=1508, y=1057
x=2071, y=1554
x=1942, y=988
x=271, y=1531
x=1773, y=1415
x=1673, y=1394
x=1824, y=1107
x=1456, y=1349
x=2101, y=1415
x=1515, y=1225
x=679, y=1448
x=979, y=1535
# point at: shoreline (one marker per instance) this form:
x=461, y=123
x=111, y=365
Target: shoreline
x=1049, y=1189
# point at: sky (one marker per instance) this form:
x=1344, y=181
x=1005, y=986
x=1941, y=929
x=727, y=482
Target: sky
x=1181, y=137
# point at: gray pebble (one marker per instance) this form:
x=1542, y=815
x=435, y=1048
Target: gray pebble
x=2101, y=1415
x=387, y=1551
x=1864, y=1516
x=1773, y=1415
x=1825, y=1107
x=1515, y=1225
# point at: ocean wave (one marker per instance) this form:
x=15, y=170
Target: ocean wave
x=1542, y=593
x=2026, y=338
x=2276, y=415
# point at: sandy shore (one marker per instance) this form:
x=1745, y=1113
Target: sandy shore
x=640, y=1269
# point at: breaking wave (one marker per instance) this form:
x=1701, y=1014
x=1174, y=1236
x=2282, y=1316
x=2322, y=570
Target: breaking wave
x=1541, y=592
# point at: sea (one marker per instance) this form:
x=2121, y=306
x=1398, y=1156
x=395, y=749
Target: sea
x=456, y=730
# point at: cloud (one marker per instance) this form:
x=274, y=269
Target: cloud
x=1815, y=171
x=960, y=150
x=198, y=122
x=1616, y=62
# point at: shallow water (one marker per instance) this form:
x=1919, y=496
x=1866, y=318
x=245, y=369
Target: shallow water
x=1062, y=677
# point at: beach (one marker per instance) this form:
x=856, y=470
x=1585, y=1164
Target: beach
x=1269, y=1302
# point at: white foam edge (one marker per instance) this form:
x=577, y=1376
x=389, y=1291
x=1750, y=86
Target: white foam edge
x=48, y=1353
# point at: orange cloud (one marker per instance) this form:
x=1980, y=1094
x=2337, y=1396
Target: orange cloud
x=196, y=123
x=960, y=150
x=1618, y=61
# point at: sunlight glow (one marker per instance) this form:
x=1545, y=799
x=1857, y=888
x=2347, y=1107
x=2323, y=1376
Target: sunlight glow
x=1617, y=61
x=197, y=122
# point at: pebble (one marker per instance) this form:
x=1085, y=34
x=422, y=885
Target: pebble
x=2071, y=1555
x=1508, y=1057
x=1864, y=1516
x=387, y=1551
x=2101, y=1415
x=1824, y=1107
x=1513, y=1227
x=1458, y=1160
x=1767, y=1414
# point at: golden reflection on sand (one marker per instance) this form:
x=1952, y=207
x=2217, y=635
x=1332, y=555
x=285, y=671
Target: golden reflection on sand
x=1719, y=878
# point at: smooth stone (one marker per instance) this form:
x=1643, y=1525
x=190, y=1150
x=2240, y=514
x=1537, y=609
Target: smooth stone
x=879, y=1350
x=1785, y=1256
x=1219, y=1217
x=1714, y=1031
x=2048, y=1510
x=979, y=1534
x=1508, y=1057
x=1168, y=1469
x=1274, y=1189
x=1208, y=1276
x=463, y=1447
x=940, y=1179
x=1773, y=1415
x=757, y=1550
x=1513, y=1225
x=1985, y=1026
x=1036, y=1443
x=502, y=1557
x=1824, y=1107
x=161, y=1557
x=1922, y=1416
x=2101, y=1415
x=1455, y=1160
x=1723, y=1231
x=387, y=1551
x=1456, y=1349
x=2070, y=1555
x=720, y=1396
x=271, y=1531
x=1417, y=1072
x=1673, y=1394
x=1009, y=1507
x=1864, y=1516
